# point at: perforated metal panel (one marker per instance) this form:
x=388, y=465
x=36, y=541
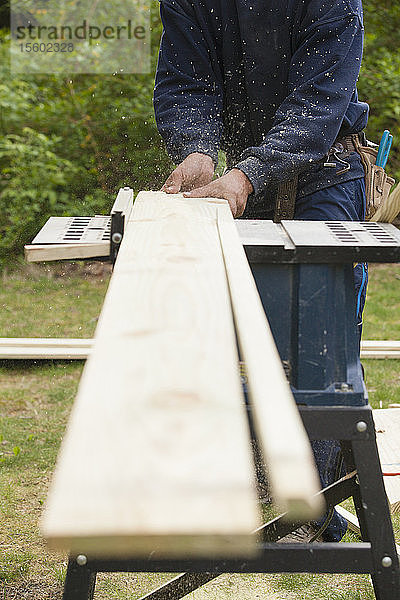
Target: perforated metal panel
x=289, y=242
x=341, y=233
x=320, y=241
x=75, y=230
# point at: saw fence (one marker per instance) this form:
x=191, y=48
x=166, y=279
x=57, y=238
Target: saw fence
x=157, y=470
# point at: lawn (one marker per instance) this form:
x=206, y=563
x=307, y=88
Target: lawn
x=35, y=400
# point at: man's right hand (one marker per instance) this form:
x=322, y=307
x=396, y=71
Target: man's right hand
x=197, y=170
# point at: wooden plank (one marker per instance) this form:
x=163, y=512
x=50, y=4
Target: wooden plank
x=46, y=342
x=123, y=202
x=43, y=353
x=387, y=425
x=291, y=468
x=387, y=345
x=44, y=349
x=380, y=354
x=157, y=457
x=351, y=519
x=49, y=252
x=380, y=349
x=50, y=352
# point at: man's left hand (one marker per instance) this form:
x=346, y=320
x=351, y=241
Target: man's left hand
x=234, y=187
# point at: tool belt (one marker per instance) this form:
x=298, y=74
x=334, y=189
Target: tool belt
x=377, y=182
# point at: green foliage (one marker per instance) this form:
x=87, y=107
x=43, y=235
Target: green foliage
x=379, y=82
x=32, y=186
x=67, y=143
x=382, y=19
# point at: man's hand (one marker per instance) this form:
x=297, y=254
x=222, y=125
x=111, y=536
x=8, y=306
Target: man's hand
x=195, y=171
x=234, y=187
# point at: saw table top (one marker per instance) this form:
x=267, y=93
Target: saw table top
x=264, y=241
x=319, y=241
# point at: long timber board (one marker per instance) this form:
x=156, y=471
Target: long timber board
x=354, y=524
x=291, y=468
x=80, y=349
x=45, y=348
x=157, y=457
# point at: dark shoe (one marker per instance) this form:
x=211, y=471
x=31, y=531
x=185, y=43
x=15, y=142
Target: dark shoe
x=303, y=535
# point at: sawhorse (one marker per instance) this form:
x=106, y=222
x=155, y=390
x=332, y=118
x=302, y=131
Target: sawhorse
x=304, y=275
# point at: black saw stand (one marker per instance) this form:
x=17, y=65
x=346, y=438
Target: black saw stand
x=304, y=273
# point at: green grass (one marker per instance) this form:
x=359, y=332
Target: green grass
x=382, y=322
x=35, y=401
x=57, y=301
x=383, y=382
x=382, y=311
x=34, y=405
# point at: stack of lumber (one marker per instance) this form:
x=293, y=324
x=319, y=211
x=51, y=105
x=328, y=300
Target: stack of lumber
x=157, y=455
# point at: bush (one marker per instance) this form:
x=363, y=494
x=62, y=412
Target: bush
x=32, y=186
x=68, y=144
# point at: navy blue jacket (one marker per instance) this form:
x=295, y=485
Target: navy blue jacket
x=271, y=82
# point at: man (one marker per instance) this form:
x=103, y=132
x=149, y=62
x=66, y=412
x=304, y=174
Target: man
x=273, y=84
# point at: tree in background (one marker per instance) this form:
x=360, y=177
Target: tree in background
x=379, y=82
x=68, y=143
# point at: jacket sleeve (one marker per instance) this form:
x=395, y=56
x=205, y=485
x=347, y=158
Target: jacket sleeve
x=187, y=96
x=322, y=81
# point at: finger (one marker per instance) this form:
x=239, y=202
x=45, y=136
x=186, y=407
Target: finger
x=207, y=191
x=171, y=188
x=233, y=207
x=200, y=181
x=240, y=208
x=174, y=183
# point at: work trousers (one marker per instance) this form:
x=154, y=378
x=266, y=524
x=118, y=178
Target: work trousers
x=344, y=202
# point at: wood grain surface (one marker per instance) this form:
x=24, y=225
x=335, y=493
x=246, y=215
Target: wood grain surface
x=157, y=459
x=291, y=468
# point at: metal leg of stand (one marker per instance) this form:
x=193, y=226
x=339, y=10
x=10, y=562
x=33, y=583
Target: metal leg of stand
x=180, y=586
x=372, y=509
x=373, y=514
x=278, y=527
x=79, y=582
